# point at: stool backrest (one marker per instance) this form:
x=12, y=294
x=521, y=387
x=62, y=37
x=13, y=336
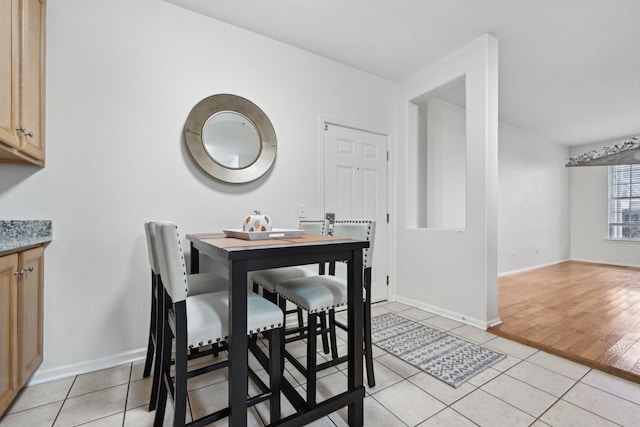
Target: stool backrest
x=361, y=229
x=317, y=227
x=172, y=263
x=150, y=233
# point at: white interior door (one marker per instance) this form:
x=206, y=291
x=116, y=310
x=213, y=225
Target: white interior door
x=355, y=187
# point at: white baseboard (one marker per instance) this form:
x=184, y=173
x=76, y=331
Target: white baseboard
x=533, y=267
x=615, y=264
x=481, y=324
x=56, y=373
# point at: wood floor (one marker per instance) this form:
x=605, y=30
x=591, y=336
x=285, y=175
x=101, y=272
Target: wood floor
x=585, y=312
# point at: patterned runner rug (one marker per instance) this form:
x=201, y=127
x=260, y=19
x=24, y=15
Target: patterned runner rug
x=443, y=356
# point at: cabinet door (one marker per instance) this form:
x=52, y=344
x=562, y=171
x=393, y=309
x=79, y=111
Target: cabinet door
x=30, y=288
x=9, y=33
x=32, y=78
x=8, y=383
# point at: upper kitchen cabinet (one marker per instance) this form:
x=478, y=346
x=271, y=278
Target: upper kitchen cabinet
x=22, y=80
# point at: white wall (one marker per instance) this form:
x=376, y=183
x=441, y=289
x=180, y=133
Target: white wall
x=452, y=272
x=589, y=215
x=533, y=205
x=446, y=165
x=122, y=77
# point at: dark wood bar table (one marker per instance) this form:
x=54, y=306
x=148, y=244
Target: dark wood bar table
x=242, y=256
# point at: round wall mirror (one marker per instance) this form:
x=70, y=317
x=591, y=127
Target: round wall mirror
x=230, y=138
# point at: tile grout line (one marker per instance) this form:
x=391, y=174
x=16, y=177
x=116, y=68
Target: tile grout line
x=75, y=378
x=126, y=399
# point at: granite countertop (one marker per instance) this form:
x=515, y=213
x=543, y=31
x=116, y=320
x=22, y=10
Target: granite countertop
x=18, y=235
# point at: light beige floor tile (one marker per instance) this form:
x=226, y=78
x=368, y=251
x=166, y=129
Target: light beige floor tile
x=139, y=393
x=417, y=314
x=100, y=380
x=483, y=377
x=253, y=420
x=300, y=378
x=441, y=323
x=606, y=405
x=206, y=400
x=377, y=351
x=507, y=363
x=111, y=421
x=141, y=417
x=137, y=369
x=447, y=418
x=541, y=378
x=92, y=406
x=210, y=378
x=385, y=377
x=375, y=415
x=614, y=385
x=397, y=365
x=560, y=365
x=408, y=402
x=440, y=390
x=322, y=422
x=487, y=410
x=297, y=348
x=540, y=424
x=396, y=306
x=41, y=394
x=523, y=396
x=41, y=416
x=331, y=385
x=564, y=414
x=377, y=309
x=473, y=334
x=512, y=348
x=286, y=409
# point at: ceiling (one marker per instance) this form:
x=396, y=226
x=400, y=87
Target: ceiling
x=569, y=70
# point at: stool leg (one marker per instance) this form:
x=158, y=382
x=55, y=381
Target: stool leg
x=157, y=364
x=311, y=358
x=368, y=352
x=164, y=360
x=152, y=329
x=275, y=373
x=332, y=333
x=180, y=387
x=325, y=332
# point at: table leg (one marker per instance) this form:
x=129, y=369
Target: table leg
x=238, y=360
x=355, y=338
x=195, y=260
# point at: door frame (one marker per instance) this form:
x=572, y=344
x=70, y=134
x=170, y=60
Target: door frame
x=391, y=242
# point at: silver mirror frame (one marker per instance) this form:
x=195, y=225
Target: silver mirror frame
x=225, y=102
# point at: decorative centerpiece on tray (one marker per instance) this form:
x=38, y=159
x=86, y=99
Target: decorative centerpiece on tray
x=257, y=222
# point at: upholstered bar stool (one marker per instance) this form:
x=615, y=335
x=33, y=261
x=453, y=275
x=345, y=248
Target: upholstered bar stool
x=200, y=320
x=198, y=284
x=323, y=293
x=267, y=279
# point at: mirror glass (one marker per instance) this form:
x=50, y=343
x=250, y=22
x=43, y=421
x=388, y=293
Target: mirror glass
x=231, y=139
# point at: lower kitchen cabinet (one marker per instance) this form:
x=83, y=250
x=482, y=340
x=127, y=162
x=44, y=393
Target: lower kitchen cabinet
x=21, y=292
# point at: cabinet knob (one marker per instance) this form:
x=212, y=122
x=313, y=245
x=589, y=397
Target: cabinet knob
x=24, y=131
x=23, y=271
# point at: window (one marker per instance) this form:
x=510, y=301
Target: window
x=624, y=202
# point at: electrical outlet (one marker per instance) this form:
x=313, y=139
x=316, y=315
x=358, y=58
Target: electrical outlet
x=302, y=211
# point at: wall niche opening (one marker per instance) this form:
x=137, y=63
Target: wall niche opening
x=439, y=120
